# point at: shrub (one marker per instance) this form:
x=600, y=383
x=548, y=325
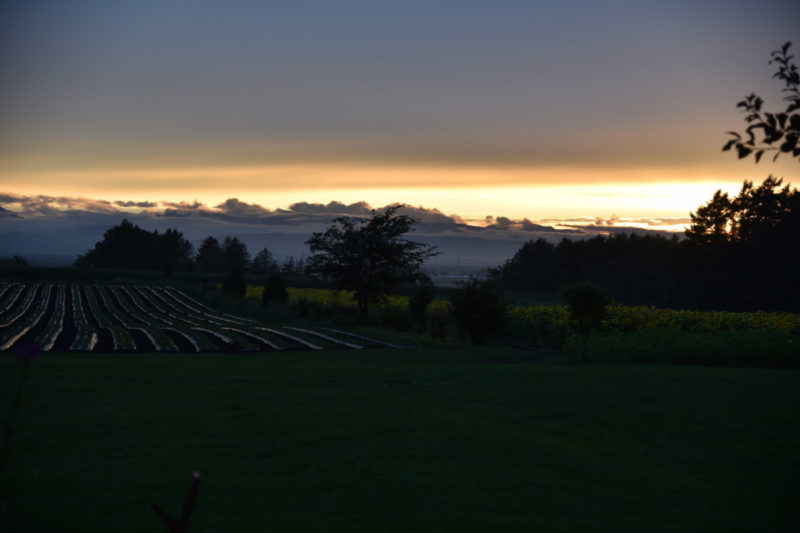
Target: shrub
x=234, y=283
x=395, y=317
x=418, y=303
x=436, y=319
x=274, y=289
x=478, y=310
x=587, y=304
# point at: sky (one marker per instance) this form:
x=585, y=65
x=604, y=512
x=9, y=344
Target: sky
x=523, y=109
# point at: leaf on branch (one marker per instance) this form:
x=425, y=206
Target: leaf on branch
x=728, y=145
x=734, y=134
x=743, y=150
x=771, y=119
x=759, y=154
x=789, y=145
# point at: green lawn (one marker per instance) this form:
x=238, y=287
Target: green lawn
x=391, y=440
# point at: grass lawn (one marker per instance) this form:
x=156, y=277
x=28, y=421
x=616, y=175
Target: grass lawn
x=393, y=440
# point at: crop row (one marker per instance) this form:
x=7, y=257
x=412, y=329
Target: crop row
x=143, y=319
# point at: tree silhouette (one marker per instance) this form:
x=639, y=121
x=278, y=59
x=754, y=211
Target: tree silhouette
x=712, y=224
x=368, y=255
x=263, y=263
x=766, y=215
x=779, y=131
x=210, y=256
x=234, y=283
x=236, y=253
x=129, y=246
x=274, y=289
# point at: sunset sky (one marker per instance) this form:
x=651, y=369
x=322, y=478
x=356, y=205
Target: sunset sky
x=516, y=108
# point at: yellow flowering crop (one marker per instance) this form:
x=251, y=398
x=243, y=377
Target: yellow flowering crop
x=633, y=318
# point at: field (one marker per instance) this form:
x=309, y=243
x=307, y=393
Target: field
x=112, y=318
x=398, y=440
x=293, y=429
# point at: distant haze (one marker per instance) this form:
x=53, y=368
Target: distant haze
x=515, y=108
x=55, y=230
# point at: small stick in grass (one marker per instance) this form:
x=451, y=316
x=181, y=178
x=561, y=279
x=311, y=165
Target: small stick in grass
x=181, y=524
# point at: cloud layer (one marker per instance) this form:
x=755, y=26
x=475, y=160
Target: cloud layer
x=67, y=226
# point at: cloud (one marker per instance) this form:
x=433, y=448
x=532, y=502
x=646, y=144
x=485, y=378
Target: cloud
x=129, y=203
x=7, y=213
x=304, y=217
x=332, y=208
x=527, y=225
x=600, y=221
x=501, y=223
x=431, y=216
x=235, y=207
x=43, y=205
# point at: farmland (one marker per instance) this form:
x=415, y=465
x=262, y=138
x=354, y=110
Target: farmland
x=398, y=440
x=139, y=388
x=127, y=318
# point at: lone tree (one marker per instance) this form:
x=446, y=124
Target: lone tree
x=368, y=255
x=780, y=132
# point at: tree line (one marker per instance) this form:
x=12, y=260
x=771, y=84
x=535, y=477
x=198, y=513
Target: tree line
x=739, y=253
x=127, y=246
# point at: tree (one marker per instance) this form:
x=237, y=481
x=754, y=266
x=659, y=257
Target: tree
x=274, y=289
x=293, y=267
x=263, y=263
x=234, y=282
x=236, y=253
x=129, y=246
x=368, y=255
x=783, y=127
x=210, y=256
x=713, y=222
x=174, y=251
x=766, y=215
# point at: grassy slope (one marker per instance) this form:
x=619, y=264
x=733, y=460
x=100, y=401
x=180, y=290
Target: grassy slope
x=389, y=440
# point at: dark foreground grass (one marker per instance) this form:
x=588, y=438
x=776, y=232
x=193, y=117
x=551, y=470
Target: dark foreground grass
x=387, y=440
x=762, y=349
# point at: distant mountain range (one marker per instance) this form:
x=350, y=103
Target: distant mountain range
x=54, y=231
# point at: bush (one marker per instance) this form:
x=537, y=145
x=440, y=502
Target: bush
x=587, y=304
x=436, y=320
x=274, y=289
x=418, y=303
x=234, y=283
x=395, y=317
x=478, y=310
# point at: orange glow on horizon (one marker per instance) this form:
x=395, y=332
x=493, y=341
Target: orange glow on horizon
x=468, y=192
